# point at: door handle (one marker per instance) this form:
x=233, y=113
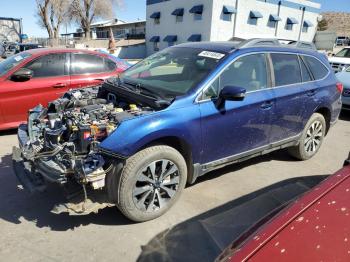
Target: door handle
x=267, y=105
x=59, y=85
x=311, y=93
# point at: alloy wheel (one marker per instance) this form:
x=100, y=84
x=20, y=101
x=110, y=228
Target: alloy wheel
x=314, y=137
x=156, y=185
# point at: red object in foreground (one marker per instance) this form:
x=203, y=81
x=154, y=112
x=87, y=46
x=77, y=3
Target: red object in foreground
x=314, y=228
x=51, y=73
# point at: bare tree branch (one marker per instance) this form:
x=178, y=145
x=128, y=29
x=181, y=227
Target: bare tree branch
x=85, y=12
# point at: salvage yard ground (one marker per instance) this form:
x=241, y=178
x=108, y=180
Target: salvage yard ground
x=29, y=232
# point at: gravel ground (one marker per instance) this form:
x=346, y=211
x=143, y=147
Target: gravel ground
x=29, y=232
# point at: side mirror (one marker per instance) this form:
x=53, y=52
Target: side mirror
x=22, y=75
x=232, y=93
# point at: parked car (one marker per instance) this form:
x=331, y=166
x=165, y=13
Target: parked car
x=344, y=78
x=342, y=40
x=41, y=75
x=175, y=116
x=15, y=48
x=341, y=60
x=313, y=228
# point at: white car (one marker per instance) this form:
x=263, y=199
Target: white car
x=341, y=60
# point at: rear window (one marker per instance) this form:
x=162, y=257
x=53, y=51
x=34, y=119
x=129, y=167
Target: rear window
x=318, y=70
x=286, y=69
x=88, y=64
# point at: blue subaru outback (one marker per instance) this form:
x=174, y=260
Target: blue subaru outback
x=138, y=139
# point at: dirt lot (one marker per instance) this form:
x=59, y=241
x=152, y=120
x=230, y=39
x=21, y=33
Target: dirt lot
x=29, y=232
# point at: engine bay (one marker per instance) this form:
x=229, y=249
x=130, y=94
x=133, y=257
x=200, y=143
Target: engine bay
x=63, y=138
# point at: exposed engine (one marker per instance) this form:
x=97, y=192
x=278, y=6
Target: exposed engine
x=63, y=138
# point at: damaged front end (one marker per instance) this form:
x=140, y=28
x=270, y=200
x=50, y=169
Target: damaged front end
x=60, y=144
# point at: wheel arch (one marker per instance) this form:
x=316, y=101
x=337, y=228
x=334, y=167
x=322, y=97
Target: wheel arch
x=326, y=113
x=180, y=145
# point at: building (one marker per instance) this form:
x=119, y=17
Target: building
x=172, y=22
x=120, y=29
x=10, y=29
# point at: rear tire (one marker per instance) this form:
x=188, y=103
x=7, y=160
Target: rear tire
x=311, y=139
x=150, y=183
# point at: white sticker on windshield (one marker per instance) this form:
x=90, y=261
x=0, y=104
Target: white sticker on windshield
x=210, y=54
x=18, y=58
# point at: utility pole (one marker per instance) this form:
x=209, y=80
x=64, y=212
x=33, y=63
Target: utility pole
x=235, y=20
x=302, y=23
x=278, y=14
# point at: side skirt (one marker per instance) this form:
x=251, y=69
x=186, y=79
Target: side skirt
x=202, y=169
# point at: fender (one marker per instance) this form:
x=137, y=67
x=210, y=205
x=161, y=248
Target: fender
x=134, y=134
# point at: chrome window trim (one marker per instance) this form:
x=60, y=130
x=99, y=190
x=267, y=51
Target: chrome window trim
x=207, y=85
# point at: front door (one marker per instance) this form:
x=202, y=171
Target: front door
x=50, y=80
x=238, y=127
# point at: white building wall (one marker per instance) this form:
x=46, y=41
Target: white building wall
x=221, y=30
x=261, y=30
x=214, y=28
x=168, y=25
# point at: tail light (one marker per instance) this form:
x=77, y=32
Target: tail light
x=340, y=87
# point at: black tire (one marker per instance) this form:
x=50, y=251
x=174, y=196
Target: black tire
x=307, y=147
x=161, y=194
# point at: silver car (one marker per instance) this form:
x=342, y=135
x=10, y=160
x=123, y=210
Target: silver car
x=344, y=78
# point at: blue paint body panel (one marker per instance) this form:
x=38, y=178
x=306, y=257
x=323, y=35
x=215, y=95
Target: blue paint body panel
x=242, y=126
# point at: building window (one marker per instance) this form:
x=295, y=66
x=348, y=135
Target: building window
x=156, y=46
x=306, y=26
x=197, y=12
x=254, y=16
x=198, y=17
x=179, y=19
x=170, y=39
x=178, y=13
x=273, y=20
x=156, y=17
x=155, y=41
x=227, y=12
x=290, y=23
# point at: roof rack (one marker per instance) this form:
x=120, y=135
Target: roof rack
x=255, y=42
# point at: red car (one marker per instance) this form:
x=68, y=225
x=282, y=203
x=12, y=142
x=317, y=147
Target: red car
x=314, y=228
x=41, y=75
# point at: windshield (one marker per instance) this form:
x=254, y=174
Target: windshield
x=11, y=62
x=173, y=71
x=344, y=53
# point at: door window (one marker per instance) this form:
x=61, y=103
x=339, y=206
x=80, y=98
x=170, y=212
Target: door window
x=249, y=72
x=87, y=64
x=318, y=70
x=48, y=65
x=305, y=72
x=286, y=69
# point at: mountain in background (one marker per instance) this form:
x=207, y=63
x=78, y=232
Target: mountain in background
x=338, y=22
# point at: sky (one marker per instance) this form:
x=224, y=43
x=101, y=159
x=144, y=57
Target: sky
x=132, y=10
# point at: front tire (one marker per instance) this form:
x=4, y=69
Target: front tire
x=311, y=139
x=151, y=182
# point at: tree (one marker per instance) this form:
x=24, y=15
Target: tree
x=51, y=15
x=322, y=25
x=85, y=12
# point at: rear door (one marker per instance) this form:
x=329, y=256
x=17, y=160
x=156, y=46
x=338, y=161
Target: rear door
x=90, y=70
x=290, y=96
x=50, y=80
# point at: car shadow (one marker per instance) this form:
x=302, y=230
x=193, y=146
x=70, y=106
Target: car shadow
x=345, y=115
x=17, y=204
x=8, y=132
x=279, y=155
x=204, y=237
